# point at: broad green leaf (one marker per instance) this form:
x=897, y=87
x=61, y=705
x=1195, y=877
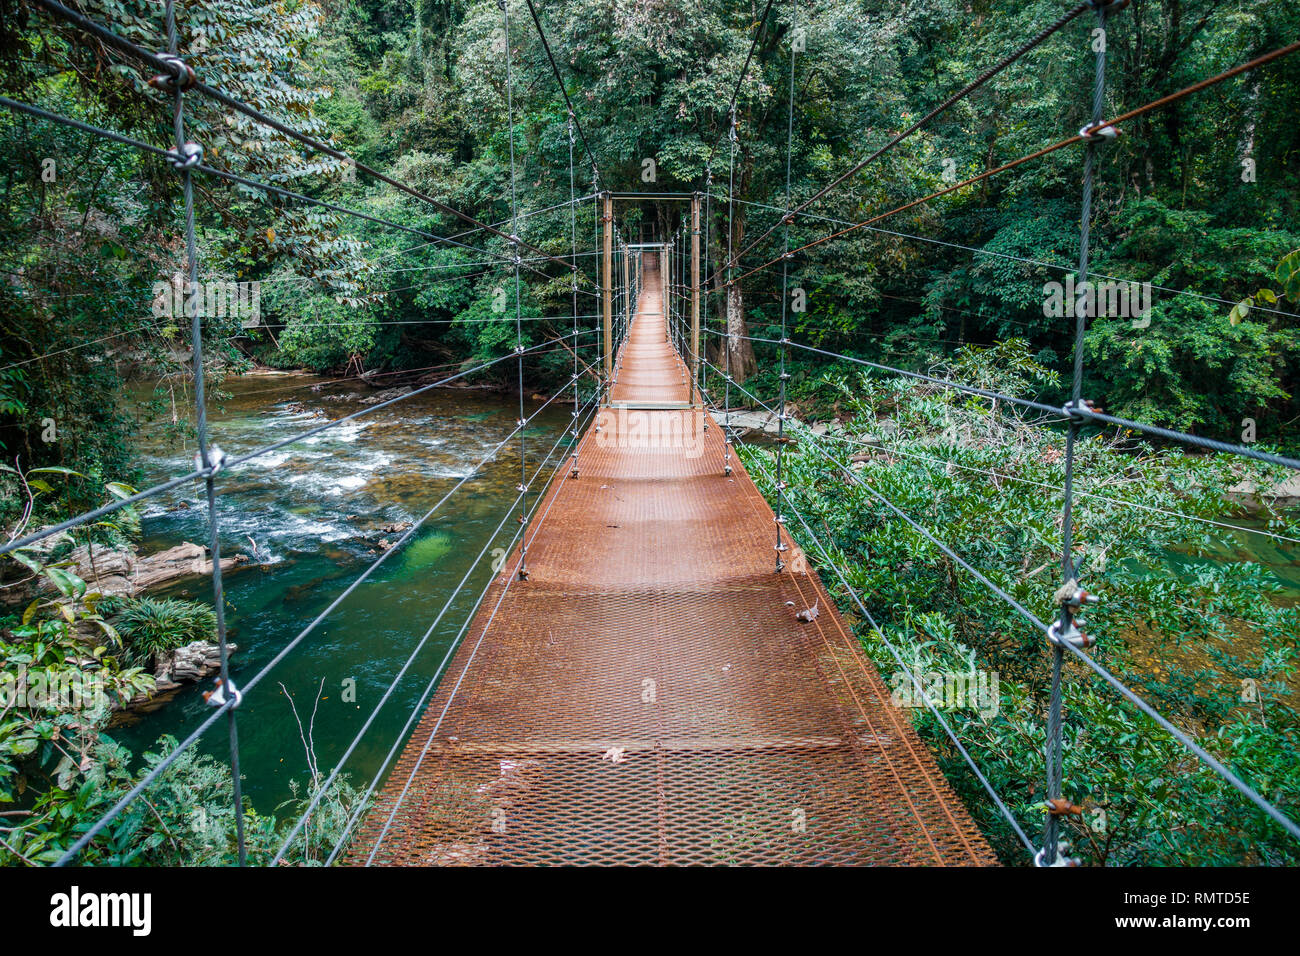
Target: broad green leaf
x=119, y=490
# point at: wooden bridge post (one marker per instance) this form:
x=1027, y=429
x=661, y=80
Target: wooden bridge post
x=608, y=283
x=695, y=293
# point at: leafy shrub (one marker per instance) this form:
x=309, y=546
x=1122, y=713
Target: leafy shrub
x=1189, y=630
x=150, y=626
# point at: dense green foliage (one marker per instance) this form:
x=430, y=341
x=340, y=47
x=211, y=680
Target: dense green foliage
x=68, y=660
x=1209, y=645
x=416, y=88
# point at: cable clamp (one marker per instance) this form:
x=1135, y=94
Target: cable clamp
x=1079, y=410
x=519, y=350
x=216, y=461
x=779, y=519
x=1071, y=635
x=181, y=76
x=520, y=423
x=187, y=157
x=1098, y=133
x=785, y=376
x=217, y=697
x=1074, y=597
x=522, y=489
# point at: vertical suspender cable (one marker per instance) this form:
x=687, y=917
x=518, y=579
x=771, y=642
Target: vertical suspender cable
x=706, y=272
x=1070, y=595
x=187, y=156
x=597, y=201
x=519, y=328
x=781, y=546
x=728, y=293
x=573, y=279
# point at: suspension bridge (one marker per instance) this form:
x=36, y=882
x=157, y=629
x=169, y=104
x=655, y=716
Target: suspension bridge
x=648, y=693
x=657, y=673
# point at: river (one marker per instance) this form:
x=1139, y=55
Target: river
x=313, y=513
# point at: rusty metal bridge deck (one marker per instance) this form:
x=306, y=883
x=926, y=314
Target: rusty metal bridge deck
x=647, y=695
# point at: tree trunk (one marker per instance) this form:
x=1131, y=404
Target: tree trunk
x=739, y=360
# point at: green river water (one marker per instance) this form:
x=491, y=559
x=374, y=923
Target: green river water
x=315, y=511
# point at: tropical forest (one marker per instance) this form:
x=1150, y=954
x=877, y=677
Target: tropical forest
x=322, y=323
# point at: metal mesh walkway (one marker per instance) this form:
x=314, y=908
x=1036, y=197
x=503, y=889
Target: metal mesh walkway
x=646, y=696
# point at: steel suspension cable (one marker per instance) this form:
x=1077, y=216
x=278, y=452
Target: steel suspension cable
x=40, y=113
x=1191, y=745
x=1043, y=263
x=519, y=329
x=728, y=296
x=781, y=547
x=209, y=456
x=422, y=701
x=1082, y=411
x=897, y=138
x=1070, y=594
x=157, y=770
x=760, y=28
x=1045, y=151
x=559, y=81
x=573, y=280
x=921, y=694
x=510, y=580
x=878, y=445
